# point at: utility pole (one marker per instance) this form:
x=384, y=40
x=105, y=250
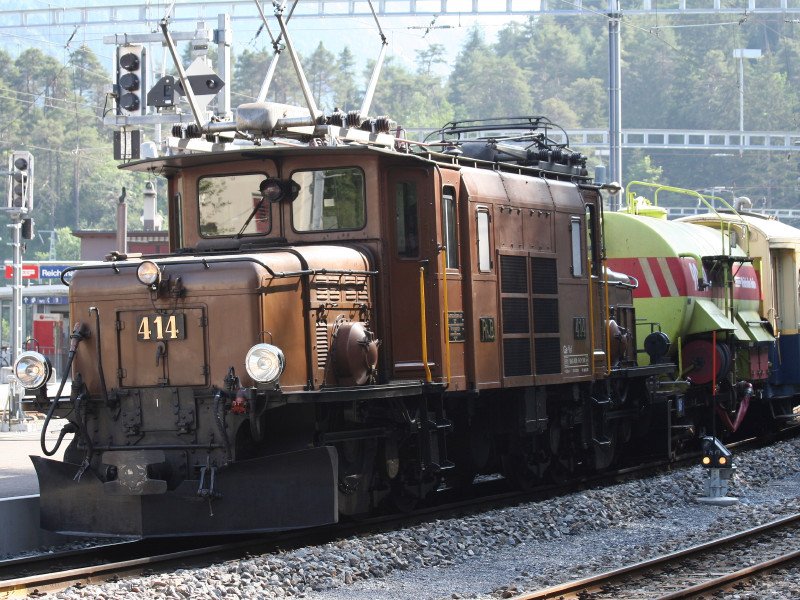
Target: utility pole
x=614, y=97
x=741, y=54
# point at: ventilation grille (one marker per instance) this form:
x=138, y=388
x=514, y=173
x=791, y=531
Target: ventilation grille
x=545, y=315
x=513, y=275
x=322, y=344
x=355, y=289
x=333, y=289
x=544, y=276
x=516, y=357
x=548, y=356
x=327, y=289
x=515, y=315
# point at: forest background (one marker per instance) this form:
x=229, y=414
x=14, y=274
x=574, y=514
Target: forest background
x=679, y=74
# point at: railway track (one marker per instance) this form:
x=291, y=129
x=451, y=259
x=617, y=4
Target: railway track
x=50, y=573
x=705, y=568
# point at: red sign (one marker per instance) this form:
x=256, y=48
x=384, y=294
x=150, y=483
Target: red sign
x=28, y=272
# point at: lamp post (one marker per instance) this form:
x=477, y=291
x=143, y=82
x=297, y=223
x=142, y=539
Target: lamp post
x=741, y=54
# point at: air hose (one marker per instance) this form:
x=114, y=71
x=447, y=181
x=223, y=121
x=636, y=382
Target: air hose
x=79, y=332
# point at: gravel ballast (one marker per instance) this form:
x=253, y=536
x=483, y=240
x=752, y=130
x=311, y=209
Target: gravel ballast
x=501, y=553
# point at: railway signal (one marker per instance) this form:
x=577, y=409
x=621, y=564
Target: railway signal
x=27, y=229
x=20, y=183
x=714, y=454
x=131, y=79
x=719, y=462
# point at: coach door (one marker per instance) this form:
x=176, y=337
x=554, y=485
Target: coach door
x=411, y=224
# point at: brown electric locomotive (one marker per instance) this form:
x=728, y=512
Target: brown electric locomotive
x=346, y=320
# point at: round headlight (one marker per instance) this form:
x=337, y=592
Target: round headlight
x=264, y=363
x=32, y=370
x=148, y=273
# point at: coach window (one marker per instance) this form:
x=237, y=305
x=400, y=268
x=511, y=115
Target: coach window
x=329, y=199
x=407, y=223
x=575, y=237
x=227, y=202
x=484, y=248
x=449, y=231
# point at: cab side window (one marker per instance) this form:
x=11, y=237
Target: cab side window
x=484, y=245
x=407, y=220
x=450, y=226
x=578, y=257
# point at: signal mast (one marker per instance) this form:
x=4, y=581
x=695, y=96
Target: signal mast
x=19, y=207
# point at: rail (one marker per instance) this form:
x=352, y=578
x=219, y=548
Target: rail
x=634, y=579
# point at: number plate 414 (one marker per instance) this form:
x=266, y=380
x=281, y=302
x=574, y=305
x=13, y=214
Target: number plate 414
x=161, y=327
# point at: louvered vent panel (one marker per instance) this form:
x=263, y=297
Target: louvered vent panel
x=544, y=276
x=327, y=289
x=322, y=345
x=545, y=315
x=513, y=275
x=355, y=289
x=548, y=356
x=516, y=357
x=515, y=315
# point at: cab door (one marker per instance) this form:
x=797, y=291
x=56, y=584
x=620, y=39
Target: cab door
x=411, y=251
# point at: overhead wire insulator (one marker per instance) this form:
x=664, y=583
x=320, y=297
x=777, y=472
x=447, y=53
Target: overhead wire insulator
x=193, y=131
x=336, y=118
x=354, y=118
x=381, y=124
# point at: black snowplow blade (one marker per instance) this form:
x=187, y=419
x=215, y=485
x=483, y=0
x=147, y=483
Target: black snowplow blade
x=273, y=493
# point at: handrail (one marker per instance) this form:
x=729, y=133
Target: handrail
x=723, y=226
x=446, y=316
x=423, y=325
x=701, y=282
x=116, y=265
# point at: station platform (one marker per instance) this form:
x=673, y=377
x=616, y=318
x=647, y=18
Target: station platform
x=17, y=475
x=21, y=439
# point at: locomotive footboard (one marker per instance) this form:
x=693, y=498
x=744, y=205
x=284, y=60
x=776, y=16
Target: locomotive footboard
x=279, y=492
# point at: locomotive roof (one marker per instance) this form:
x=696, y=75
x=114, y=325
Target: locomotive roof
x=168, y=164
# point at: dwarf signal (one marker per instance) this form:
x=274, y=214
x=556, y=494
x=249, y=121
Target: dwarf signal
x=714, y=454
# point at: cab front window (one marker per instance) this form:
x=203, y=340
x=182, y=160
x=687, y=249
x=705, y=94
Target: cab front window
x=233, y=205
x=329, y=199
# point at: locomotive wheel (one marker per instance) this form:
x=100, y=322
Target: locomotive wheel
x=524, y=471
x=619, y=391
x=402, y=500
x=604, y=455
x=356, y=460
x=407, y=492
x=469, y=446
x=562, y=470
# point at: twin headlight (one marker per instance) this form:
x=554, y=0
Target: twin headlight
x=148, y=273
x=264, y=363
x=32, y=370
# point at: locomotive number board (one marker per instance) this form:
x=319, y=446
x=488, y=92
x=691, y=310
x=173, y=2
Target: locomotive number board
x=161, y=327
